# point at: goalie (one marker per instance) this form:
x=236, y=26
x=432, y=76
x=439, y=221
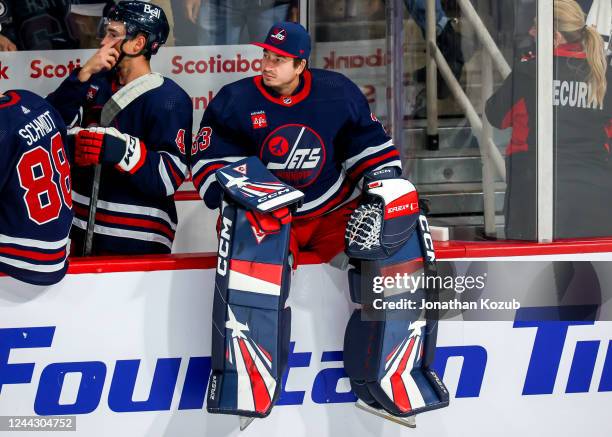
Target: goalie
x=290, y=156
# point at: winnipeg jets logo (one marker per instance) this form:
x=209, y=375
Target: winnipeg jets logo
x=294, y=153
x=279, y=34
x=25, y=110
x=152, y=11
x=279, y=146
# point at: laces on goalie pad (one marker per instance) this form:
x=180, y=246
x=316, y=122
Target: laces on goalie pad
x=387, y=357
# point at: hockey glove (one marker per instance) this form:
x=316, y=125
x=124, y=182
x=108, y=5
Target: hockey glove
x=107, y=145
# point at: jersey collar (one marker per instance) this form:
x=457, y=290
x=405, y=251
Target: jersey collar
x=300, y=93
x=570, y=50
x=13, y=98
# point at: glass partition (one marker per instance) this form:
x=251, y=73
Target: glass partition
x=479, y=180
x=582, y=111
x=480, y=177
x=72, y=24
x=349, y=36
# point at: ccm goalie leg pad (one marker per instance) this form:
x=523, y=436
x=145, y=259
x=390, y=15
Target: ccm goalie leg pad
x=251, y=326
x=388, y=344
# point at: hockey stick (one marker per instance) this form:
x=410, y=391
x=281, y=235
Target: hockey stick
x=93, y=206
x=112, y=107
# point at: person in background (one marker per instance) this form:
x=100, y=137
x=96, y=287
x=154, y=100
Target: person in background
x=582, y=105
x=236, y=21
x=33, y=25
x=449, y=43
x=185, y=29
x=86, y=18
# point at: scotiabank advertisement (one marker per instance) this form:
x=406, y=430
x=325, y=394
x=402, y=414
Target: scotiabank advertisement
x=202, y=71
x=128, y=354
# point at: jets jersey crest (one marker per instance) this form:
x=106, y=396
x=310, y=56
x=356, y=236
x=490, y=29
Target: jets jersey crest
x=320, y=140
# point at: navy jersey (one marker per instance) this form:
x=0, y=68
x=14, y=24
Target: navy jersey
x=136, y=211
x=320, y=140
x=35, y=190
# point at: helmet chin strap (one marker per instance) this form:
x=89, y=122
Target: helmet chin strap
x=123, y=54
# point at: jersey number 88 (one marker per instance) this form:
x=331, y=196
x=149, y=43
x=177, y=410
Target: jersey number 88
x=35, y=170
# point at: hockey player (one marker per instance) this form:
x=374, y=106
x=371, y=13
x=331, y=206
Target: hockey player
x=35, y=190
x=137, y=124
x=290, y=149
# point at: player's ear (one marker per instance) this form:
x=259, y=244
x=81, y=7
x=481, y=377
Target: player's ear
x=138, y=43
x=301, y=66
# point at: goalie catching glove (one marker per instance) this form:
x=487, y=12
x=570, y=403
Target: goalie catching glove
x=386, y=219
x=107, y=145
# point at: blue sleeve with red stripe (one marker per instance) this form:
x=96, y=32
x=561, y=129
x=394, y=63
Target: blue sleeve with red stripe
x=69, y=97
x=9, y=147
x=364, y=143
x=217, y=144
x=165, y=165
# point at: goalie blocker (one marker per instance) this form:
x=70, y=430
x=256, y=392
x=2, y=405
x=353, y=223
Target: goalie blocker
x=251, y=326
x=388, y=353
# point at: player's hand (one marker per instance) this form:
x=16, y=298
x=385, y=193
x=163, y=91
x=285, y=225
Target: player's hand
x=107, y=145
x=6, y=45
x=104, y=59
x=192, y=10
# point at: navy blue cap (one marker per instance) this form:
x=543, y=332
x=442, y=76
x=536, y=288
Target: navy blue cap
x=287, y=39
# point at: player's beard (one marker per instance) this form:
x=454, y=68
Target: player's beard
x=268, y=81
x=120, y=69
